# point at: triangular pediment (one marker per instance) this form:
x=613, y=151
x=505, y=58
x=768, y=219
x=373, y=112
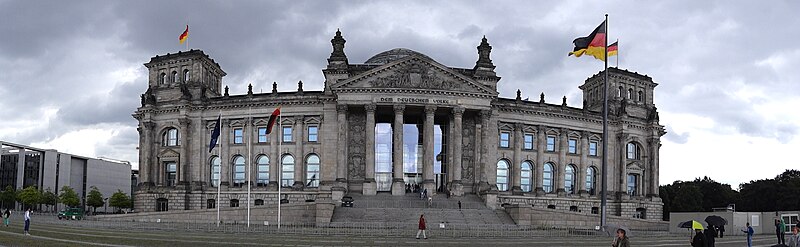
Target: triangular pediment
x=168, y=152
x=414, y=72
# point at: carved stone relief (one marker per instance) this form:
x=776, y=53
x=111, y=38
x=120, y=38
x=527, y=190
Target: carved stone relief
x=415, y=75
x=468, y=149
x=356, y=144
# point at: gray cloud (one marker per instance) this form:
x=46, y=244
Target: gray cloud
x=679, y=138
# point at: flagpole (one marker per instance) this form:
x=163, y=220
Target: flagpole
x=603, y=192
x=280, y=167
x=250, y=165
x=617, y=52
x=219, y=171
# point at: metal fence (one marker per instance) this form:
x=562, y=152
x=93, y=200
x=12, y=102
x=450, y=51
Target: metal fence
x=376, y=229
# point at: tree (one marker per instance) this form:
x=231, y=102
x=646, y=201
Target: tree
x=715, y=194
x=688, y=198
x=119, y=200
x=49, y=198
x=69, y=197
x=7, y=197
x=94, y=199
x=29, y=196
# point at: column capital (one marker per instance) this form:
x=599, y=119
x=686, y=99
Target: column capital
x=585, y=134
x=541, y=128
x=430, y=110
x=184, y=121
x=518, y=126
x=149, y=125
x=370, y=108
x=341, y=108
x=623, y=136
x=458, y=111
x=298, y=118
x=398, y=109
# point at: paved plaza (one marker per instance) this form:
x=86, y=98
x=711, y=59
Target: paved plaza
x=47, y=232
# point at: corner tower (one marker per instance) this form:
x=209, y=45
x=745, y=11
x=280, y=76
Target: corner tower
x=629, y=93
x=188, y=75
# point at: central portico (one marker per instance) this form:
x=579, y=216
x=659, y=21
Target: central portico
x=410, y=110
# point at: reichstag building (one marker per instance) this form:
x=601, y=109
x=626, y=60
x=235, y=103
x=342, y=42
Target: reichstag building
x=398, y=120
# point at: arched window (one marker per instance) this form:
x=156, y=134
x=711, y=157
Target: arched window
x=619, y=92
x=170, y=137
x=262, y=179
x=186, y=75
x=641, y=96
x=287, y=171
x=211, y=203
x=525, y=176
x=234, y=203
x=162, y=204
x=175, y=78
x=633, y=151
x=591, y=180
x=238, y=171
x=312, y=171
x=630, y=93
x=569, y=179
x=215, y=162
x=163, y=78
x=547, y=178
x=502, y=175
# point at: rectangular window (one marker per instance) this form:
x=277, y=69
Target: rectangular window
x=312, y=133
x=171, y=170
x=262, y=135
x=632, y=184
x=238, y=137
x=551, y=143
x=593, y=148
x=287, y=134
x=504, y=137
x=528, y=142
x=573, y=146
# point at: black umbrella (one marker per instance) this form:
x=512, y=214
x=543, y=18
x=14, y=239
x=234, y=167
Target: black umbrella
x=716, y=220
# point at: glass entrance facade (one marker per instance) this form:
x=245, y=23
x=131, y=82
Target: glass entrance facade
x=383, y=156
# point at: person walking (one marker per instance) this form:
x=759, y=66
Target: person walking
x=6, y=217
x=794, y=240
x=710, y=233
x=779, y=225
x=459, y=205
x=721, y=230
x=421, y=226
x=699, y=239
x=621, y=240
x=749, y=233
x=27, y=221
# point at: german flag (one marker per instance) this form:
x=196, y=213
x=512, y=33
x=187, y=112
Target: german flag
x=612, y=49
x=592, y=44
x=184, y=35
x=273, y=118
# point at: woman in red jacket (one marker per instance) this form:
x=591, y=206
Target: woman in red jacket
x=421, y=226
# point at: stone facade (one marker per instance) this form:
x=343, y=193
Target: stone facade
x=508, y=151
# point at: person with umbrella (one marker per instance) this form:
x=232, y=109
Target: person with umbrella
x=710, y=233
x=750, y=233
x=699, y=239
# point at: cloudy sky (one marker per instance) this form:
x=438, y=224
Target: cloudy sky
x=71, y=72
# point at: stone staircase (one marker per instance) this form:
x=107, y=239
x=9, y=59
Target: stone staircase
x=405, y=211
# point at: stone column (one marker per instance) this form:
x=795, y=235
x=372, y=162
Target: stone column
x=341, y=164
x=584, y=166
x=183, y=167
x=146, y=145
x=655, y=145
x=21, y=169
x=561, y=168
x=541, y=145
x=398, y=186
x=225, y=158
x=457, y=188
x=274, y=158
x=428, y=181
x=370, y=187
x=486, y=159
x=516, y=163
x=300, y=158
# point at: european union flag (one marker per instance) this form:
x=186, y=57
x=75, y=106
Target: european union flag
x=214, y=135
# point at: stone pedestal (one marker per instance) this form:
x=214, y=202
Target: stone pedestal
x=456, y=188
x=398, y=187
x=517, y=191
x=369, y=188
x=272, y=186
x=491, y=200
x=298, y=185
